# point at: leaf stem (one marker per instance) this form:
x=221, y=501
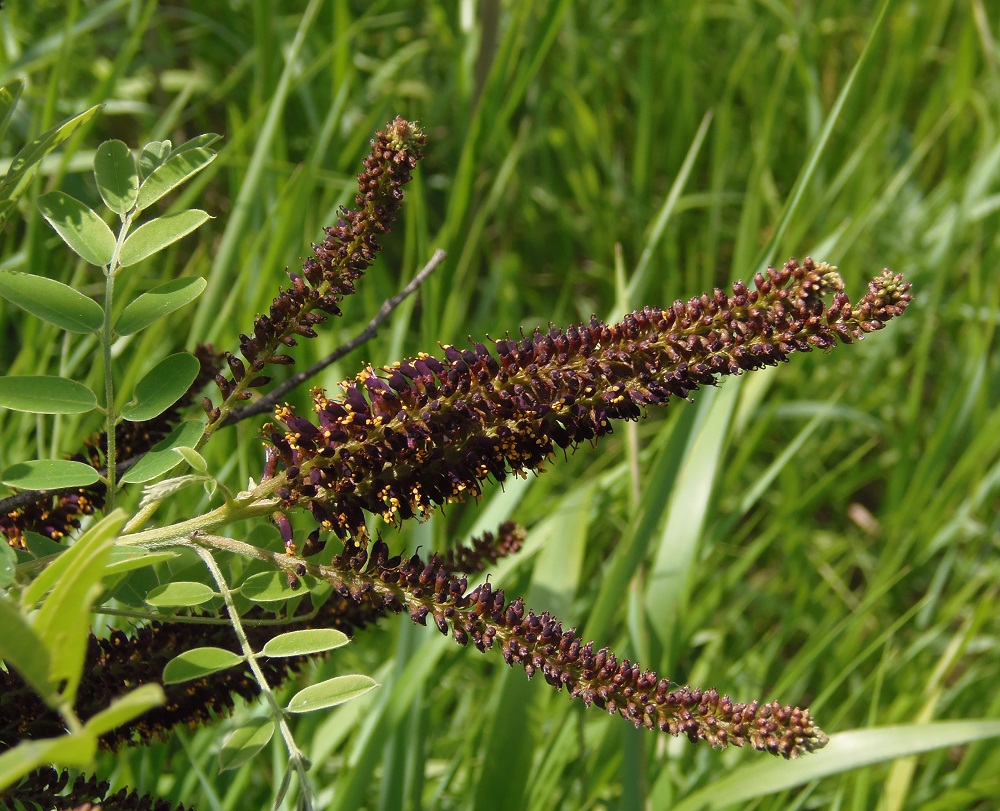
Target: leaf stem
x=298, y=761
x=111, y=415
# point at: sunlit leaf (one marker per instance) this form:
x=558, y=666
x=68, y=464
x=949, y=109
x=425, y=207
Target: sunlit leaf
x=23, y=167
x=79, y=226
x=46, y=394
x=152, y=155
x=244, y=742
x=180, y=594
x=330, y=693
x=199, y=662
x=158, y=302
x=162, y=386
x=305, y=642
x=51, y=301
x=179, y=167
x=846, y=750
x=49, y=474
x=156, y=234
x=117, y=176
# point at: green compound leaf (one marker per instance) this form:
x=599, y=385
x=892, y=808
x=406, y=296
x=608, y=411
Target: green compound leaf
x=49, y=474
x=156, y=234
x=80, y=227
x=330, y=693
x=199, y=662
x=22, y=649
x=117, y=176
x=23, y=167
x=303, y=643
x=162, y=386
x=51, y=301
x=268, y=587
x=124, y=709
x=182, y=594
x=244, y=742
x=46, y=394
x=163, y=457
x=158, y=302
x=178, y=168
x=68, y=750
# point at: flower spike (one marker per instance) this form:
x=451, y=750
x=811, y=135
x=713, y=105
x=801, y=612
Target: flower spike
x=429, y=431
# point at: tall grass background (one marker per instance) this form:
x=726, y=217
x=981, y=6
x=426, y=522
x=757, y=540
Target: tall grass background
x=824, y=533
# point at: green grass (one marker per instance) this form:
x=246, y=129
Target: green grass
x=824, y=533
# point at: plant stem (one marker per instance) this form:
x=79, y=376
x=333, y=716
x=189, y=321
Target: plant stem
x=297, y=759
x=111, y=415
x=109, y=385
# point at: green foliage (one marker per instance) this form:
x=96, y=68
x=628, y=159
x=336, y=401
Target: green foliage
x=840, y=544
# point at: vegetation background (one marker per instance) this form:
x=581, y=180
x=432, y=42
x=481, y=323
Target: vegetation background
x=825, y=533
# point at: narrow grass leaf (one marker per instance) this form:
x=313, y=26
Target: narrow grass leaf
x=163, y=457
x=46, y=394
x=244, y=742
x=688, y=509
x=158, y=302
x=49, y=474
x=52, y=301
x=124, y=709
x=847, y=750
x=9, y=94
x=156, y=234
x=199, y=662
x=117, y=176
x=79, y=226
x=303, y=643
x=330, y=693
x=180, y=594
x=182, y=164
x=162, y=386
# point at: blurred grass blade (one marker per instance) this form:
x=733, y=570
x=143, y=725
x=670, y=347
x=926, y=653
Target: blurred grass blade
x=846, y=750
